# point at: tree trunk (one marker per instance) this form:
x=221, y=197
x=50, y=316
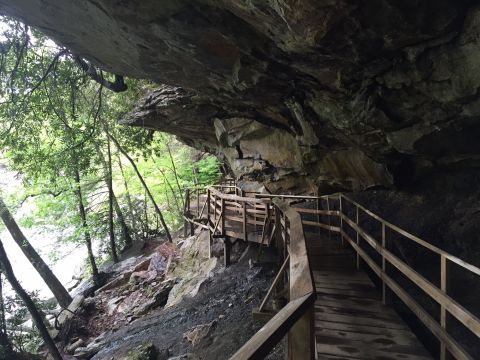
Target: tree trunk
x=109, y=179
x=127, y=193
x=177, y=205
x=147, y=190
x=83, y=217
x=58, y=290
x=123, y=224
x=6, y=349
x=118, y=210
x=36, y=317
x=174, y=169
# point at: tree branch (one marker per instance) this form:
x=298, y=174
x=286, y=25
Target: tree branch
x=117, y=86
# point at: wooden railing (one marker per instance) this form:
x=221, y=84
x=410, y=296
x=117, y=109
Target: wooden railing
x=279, y=218
x=297, y=317
x=449, y=307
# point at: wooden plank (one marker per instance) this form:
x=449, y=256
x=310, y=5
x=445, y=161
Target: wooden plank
x=356, y=312
x=362, y=329
x=400, y=338
x=453, y=307
x=358, y=320
x=359, y=350
x=454, y=348
x=321, y=225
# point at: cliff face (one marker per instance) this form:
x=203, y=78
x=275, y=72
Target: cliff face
x=316, y=94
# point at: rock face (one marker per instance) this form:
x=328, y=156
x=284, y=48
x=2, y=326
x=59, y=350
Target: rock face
x=319, y=94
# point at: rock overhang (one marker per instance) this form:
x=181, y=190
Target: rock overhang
x=311, y=94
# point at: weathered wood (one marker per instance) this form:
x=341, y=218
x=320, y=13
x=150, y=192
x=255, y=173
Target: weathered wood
x=272, y=332
x=227, y=246
x=416, y=239
x=244, y=219
x=454, y=348
x=277, y=279
x=452, y=306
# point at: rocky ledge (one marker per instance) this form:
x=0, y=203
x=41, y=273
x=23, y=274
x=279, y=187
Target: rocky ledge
x=316, y=95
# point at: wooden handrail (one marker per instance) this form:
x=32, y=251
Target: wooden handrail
x=448, y=305
x=297, y=316
x=272, y=332
x=416, y=239
x=287, y=222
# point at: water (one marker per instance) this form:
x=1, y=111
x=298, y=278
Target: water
x=44, y=239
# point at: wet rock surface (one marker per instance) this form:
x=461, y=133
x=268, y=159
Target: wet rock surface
x=170, y=300
x=211, y=325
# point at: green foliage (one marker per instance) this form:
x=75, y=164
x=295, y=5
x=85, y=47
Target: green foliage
x=23, y=338
x=53, y=130
x=54, y=118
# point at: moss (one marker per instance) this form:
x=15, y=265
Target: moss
x=145, y=351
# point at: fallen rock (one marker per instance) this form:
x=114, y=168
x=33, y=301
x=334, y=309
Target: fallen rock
x=113, y=304
x=146, y=275
x=188, y=356
x=67, y=314
x=159, y=298
x=91, y=349
x=142, y=265
x=191, y=280
x=117, y=282
x=199, y=332
x=142, y=352
x=70, y=349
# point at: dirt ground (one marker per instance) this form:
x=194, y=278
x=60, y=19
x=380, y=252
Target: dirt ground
x=225, y=301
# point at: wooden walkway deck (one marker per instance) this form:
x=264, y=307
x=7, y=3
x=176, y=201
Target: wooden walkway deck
x=351, y=321
x=333, y=311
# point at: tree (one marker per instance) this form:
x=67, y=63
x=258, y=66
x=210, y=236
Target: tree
x=35, y=314
x=147, y=190
x=58, y=290
x=6, y=350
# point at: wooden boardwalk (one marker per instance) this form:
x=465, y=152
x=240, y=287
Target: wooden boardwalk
x=351, y=321
x=333, y=311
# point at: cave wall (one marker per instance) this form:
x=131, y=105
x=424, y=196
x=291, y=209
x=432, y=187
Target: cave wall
x=313, y=94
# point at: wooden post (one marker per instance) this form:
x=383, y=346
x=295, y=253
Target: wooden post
x=301, y=338
x=215, y=208
x=443, y=311
x=358, y=238
x=209, y=226
x=341, y=221
x=318, y=215
x=329, y=219
x=222, y=230
x=245, y=235
x=227, y=246
x=384, y=288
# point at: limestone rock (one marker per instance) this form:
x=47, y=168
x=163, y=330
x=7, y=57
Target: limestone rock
x=199, y=332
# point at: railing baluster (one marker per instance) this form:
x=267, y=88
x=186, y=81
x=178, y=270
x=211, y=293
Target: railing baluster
x=357, y=221
x=341, y=221
x=223, y=217
x=443, y=312
x=384, y=287
x=329, y=219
